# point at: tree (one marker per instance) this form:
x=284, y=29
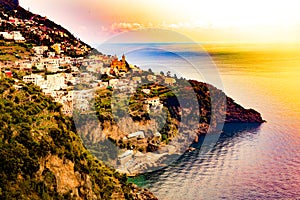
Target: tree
x=175, y=76
x=168, y=73
x=150, y=71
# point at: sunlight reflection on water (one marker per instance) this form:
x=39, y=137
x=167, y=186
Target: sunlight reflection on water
x=258, y=163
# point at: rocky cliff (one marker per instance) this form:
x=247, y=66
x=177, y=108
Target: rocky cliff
x=207, y=109
x=42, y=157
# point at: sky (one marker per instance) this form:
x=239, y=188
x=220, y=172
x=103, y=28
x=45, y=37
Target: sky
x=95, y=21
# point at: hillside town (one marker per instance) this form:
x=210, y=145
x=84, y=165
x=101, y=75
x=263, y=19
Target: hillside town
x=60, y=64
x=55, y=61
x=81, y=80
x=75, y=123
x=21, y=26
x=57, y=74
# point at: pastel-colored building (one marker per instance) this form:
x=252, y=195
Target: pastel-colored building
x=113, y=82
x=57, y=48
x=119, y=65
x=170, y=81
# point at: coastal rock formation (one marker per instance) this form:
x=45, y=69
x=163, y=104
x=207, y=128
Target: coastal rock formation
x=236, y=113
x=153, y=151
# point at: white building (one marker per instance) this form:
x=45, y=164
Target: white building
x=146, y=91
x=51, y=64
x=153, y=101
x=138, y=134
x=14, y=35
x=51, y=54
x=113, y=82
x=39, y=50
x=56, y=81
x=17, y=36
x=6, y=35
x=125, y=157
x=26, y=64
x=34, y=78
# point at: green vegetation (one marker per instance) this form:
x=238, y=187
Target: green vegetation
x=13, y=51
x=32, y=132
x=167, y=114
x=169, y=126
x=103, y=105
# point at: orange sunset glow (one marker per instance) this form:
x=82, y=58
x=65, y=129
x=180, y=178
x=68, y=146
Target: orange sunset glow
x=220, y=21
x=150, y=99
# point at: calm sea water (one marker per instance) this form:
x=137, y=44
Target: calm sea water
x=248, y=162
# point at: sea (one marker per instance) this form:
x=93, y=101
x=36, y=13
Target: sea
x=247, y=161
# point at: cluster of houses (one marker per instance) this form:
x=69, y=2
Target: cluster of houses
x=13, y=35
x=35, y=26
x=63, y=73
x=57, y=74
x=52, y=84
x=60, y=84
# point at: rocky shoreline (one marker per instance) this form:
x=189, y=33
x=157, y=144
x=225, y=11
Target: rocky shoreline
x=139, y=163
x=237, y=114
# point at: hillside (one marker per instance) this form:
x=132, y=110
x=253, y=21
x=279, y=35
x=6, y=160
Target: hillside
x=154, y=122
x=40, y=31
x=43, y=157
x=197, y=114
x=13, y=51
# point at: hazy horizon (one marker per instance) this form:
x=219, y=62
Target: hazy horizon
x=202, y=21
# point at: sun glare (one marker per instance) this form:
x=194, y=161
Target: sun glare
x=211, y=20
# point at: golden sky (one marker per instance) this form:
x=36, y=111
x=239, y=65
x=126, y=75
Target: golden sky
x=203, y=21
